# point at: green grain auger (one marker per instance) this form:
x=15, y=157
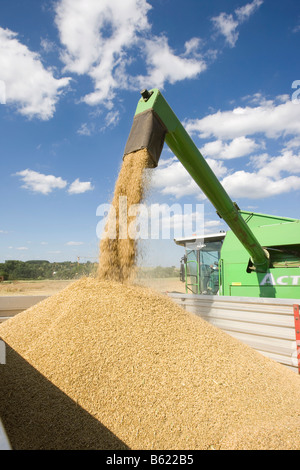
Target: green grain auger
x=258, y=257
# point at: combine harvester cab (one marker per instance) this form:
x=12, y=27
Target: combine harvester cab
x=200, y=266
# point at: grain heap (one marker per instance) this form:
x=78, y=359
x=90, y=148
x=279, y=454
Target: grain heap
x=118, y=254
x=106, y=365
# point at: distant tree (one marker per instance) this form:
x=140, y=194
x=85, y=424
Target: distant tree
x=43, y=269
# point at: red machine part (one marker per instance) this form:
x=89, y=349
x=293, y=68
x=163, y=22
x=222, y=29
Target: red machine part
x=297, y=329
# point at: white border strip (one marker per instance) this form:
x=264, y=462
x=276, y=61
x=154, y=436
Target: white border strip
x=4, y=444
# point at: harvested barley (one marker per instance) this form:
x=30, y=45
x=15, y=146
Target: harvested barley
x=106, y=365
x=118, y=251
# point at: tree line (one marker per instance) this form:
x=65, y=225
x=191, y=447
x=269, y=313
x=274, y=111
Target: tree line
x=12, y=270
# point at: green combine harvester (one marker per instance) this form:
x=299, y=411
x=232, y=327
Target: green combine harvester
x=258, y=257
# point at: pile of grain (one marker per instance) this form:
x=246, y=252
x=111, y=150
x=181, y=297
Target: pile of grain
x=106, y=365
x=118, y=254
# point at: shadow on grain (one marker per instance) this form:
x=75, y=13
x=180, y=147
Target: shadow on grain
x=39, y=416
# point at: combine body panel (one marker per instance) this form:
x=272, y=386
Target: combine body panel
x=258, y=257
x=281, y=237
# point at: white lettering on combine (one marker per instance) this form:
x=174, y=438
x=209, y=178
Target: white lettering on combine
x=280, y=281
x=295, y=280
x=268, y=279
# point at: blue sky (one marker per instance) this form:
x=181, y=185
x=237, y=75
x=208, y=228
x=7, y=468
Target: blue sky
x=70, y=76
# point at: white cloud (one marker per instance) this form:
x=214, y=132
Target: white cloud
x=273, y=167
x=74, y=243
x=171, y=178
x=192, y=47
x=212, y=223
x=243, y=13
x=238, y=147
x=94, y=31
x=103, y=38
x=268, y=118
x=47, y=45
x=293, y=143
x=45, y=184
x=227, y=24
x=266, y=175
x=272, y=118
x=86, y=129
x=257, y=186
x=96, y=36
x=40, y=183
x=271, y=176
x=112, y=118
x=79, y=187
x=213, y=226
x=22, y=248
x=29, y=86
x=165, y=66
x=296, y=29
x=283, y=98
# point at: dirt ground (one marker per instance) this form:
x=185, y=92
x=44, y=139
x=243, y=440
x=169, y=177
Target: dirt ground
x=51, y=287
x=32, y=287
x=164, y=284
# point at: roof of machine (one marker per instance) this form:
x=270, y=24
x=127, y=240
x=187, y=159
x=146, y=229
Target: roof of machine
x=214, y=237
